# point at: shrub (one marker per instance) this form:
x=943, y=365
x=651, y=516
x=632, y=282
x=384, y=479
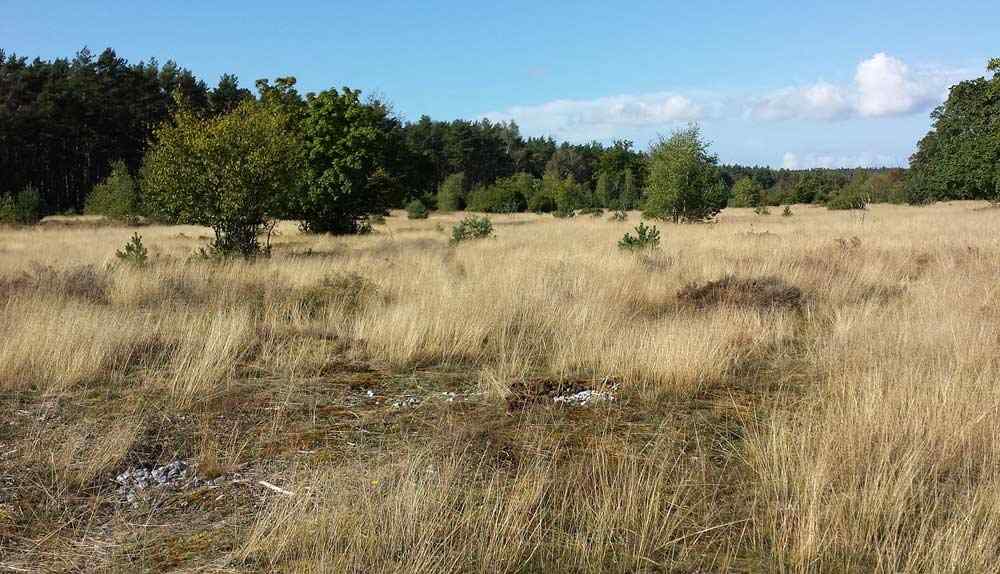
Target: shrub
x=541, y=202
x=134, y=252
x=451, y=193
x=472, y=227
x=506, y=195
x=592, y=211
x=762, y=292
x=787, y=212
x=24, y=208
x=646, y=237
x=762, y=210
x=416, y=210
x=852, y=196
x=231, y=173
x=564, y=213
x=7, y=213
x=684, y=184
x=116, y=197
x=619, y=215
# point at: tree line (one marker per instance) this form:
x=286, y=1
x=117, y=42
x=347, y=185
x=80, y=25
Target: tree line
x=94, y=133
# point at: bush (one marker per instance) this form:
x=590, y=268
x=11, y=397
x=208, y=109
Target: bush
x=451, y=193
x=7, y=212
x=761, y=210
x=472, y=227
x=134, y=252
x=416, y=210
x=232, y=173
x=116, y=197
x=25, y=208
x=541, y=202
x=646, y=237
x=506, y=195
x=853, y=196
x=760, y=292
x=619, y=215
x=592, y=211
x=684, y=184
x=787, y=212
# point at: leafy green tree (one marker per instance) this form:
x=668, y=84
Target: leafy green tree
x=232, y=173
x=227, y=95
x=630, y=193
x=684, y=184
x=605, y=193
x=746, y=193
x=451, y=193
x=345, y=143
x=960, y=155
x=117, y=196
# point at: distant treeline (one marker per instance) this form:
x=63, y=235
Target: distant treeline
x=65, y=123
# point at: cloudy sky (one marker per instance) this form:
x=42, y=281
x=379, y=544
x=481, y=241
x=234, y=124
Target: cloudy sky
x=795, y=84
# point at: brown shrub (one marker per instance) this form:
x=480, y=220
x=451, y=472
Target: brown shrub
x=85, y=283
x=759, y=292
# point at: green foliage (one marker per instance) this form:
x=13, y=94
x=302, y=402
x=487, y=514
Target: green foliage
x=232, y=173
x=746, y=193
x=630, y=194
x=7, y=212
x=684, y=184
x=24, y=208
x=605, y=191
x=472, y=227
x=134, y=252
x=854, y=196
x=646, y=237
x=592, y=211
x=451, y=193
x=117, y=197
x=960, y=155
x=619, y=215
x=541, y=202
x=416, y=210
x=507, y=195
x=346, y=142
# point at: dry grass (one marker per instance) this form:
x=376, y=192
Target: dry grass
x=805, y=394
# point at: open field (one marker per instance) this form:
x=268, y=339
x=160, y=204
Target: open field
x=385, y=403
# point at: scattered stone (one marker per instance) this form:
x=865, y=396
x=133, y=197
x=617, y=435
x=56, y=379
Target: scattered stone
x=584, y=398
x=176, y=475
x=405, y=402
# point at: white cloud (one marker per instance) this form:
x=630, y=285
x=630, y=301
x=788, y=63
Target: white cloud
x=887, y=87
x=580, y=120
x=792, y=160
x=883, y=86
x=820, y=101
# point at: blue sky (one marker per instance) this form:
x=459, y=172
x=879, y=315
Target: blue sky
x=799, y=84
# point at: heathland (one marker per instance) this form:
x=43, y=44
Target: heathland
x=813, y=392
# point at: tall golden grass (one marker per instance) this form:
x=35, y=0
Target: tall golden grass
x=868, y=412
